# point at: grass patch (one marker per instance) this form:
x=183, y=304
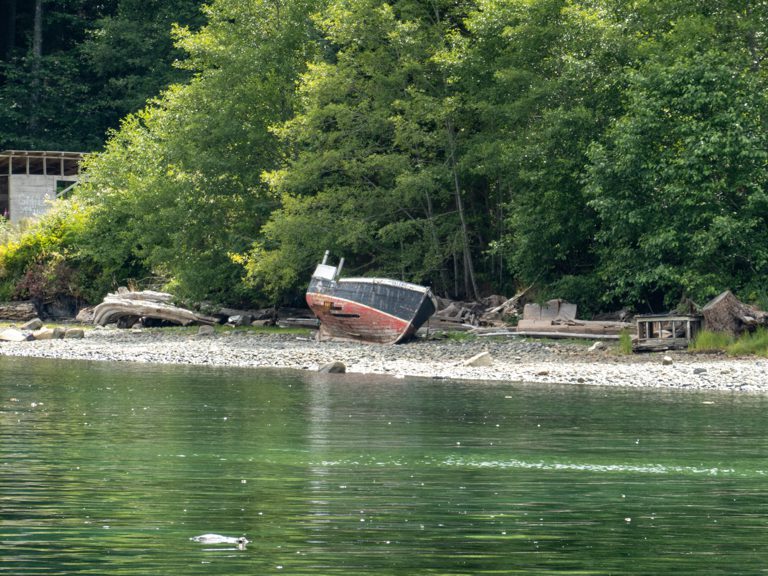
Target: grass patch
x=452, y=335
x=708, y=341
x=751, y=344
x=754, y=344
x=625, y=342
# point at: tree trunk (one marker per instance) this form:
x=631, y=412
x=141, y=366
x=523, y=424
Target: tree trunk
x=37, y=36
x=37, y=56
x=436, y=241
x=455, y=274
x=469, y=266
x=122, y=305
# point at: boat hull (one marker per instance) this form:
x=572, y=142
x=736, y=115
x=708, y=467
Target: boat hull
x=369, y=309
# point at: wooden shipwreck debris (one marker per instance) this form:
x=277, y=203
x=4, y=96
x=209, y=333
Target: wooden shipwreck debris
x=496, y=316
x=494, y=311
x=659, y=332
x=455, y=315
x=126, y=308
x=557, y=319
x=725, y=313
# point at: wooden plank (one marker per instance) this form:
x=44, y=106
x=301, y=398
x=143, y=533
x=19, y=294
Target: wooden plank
x=562, y=335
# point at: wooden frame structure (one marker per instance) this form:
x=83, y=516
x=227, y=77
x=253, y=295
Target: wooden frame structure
x=656, y=332
x=29, y=179
x=30, y=162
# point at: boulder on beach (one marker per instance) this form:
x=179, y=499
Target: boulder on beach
x=34, y=324
x=48, y=333
x=14, y=335
x=333, y=368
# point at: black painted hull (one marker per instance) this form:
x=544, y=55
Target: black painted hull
x=369, y=309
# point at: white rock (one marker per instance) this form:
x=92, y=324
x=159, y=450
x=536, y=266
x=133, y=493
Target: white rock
x=14, y=335
x=667, y=361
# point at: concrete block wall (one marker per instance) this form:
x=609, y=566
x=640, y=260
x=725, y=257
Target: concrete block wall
x=31, y=195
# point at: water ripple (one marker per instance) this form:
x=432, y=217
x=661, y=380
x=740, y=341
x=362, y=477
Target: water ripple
x=547, y=466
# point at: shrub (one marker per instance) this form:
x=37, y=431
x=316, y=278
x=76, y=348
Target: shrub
x=41, y=261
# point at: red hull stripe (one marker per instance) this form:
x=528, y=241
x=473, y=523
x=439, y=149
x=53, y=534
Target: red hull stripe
x=358, y=321
x=337, y=299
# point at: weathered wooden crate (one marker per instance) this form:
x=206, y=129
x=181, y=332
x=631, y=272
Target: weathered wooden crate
x=657, y=332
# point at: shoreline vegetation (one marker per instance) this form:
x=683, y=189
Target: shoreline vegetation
x=474, y=147
x=508, y=359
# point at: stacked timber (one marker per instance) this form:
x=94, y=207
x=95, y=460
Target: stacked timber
x=17, y=311
x=125, y=308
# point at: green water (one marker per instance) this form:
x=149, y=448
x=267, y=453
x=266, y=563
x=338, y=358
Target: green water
x=111, y=469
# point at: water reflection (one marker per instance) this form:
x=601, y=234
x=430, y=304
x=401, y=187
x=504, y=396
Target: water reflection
x=113, y=468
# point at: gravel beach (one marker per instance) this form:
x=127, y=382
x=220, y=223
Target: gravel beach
x=512, y=359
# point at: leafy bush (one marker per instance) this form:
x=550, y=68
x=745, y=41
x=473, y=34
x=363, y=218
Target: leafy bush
x=43, y=261
x=585, y=291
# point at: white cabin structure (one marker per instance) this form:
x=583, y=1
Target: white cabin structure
x=31, y=180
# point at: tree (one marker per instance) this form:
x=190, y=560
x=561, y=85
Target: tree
x=543, y=79
x=679, y=184
x=7, y=38
x=178, y=189
x=69, y=70
x=130, y=55
x=374, y=171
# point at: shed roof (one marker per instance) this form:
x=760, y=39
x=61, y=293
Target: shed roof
x=40, y=162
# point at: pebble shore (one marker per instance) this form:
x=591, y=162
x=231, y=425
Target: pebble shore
x=513, y=359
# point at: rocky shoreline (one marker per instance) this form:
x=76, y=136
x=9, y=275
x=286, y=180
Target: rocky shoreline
x=513, y=359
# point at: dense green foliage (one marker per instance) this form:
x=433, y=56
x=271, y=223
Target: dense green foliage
x=92, y=63
x=612, y=153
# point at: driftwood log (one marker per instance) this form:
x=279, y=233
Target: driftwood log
x=18, y=311
x=726, y=313
x=148, y=304
x=145, y=295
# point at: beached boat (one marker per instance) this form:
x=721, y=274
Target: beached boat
x=367, y=309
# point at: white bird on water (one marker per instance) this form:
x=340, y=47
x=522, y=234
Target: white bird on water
x=241, y=541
